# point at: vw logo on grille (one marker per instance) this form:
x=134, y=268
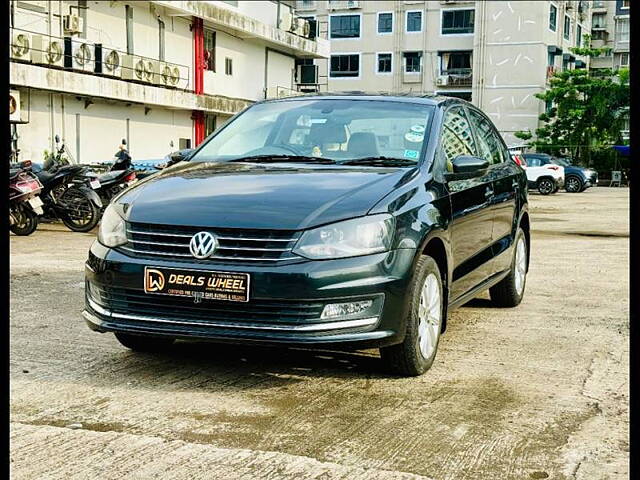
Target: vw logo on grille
x=203, y=245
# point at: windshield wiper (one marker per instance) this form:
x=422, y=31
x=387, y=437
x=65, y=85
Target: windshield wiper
x=381, y=161
x=283, y=158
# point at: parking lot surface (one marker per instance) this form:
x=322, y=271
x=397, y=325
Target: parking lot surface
x=539, y=391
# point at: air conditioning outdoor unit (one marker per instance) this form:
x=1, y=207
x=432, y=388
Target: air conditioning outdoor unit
x=72, y=23
x=21, y=45
x=47, y=50
x=14, y=106
x=302, y=27
x=353, y=4
x=139, y=68
x=307, y=74
x=152, y=71
x=78, y=55
x=108, y=61
x=286, y=20
x=442, y=80
x=171, y=75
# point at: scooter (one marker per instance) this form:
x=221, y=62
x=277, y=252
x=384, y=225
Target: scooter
x=24, y=203
x=67, y=193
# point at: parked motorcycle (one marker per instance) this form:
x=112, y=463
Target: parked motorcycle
x=24, y=203
x=67, y=193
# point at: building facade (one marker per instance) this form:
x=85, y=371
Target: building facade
x=497, y=54
x=610, y=28
x=161, y=74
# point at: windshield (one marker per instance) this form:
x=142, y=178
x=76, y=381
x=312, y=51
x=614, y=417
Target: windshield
x=560, y=161
x=337, y=130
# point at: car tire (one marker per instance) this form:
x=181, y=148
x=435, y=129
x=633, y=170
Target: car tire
x=140, y=343
x=509, y=291
x=424, y=320
x=546, y=186
x=573, y=184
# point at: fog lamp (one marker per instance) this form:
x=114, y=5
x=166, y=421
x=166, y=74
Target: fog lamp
x=347, y=309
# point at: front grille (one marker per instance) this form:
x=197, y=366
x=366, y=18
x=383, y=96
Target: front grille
x=136, y=302
x=234, y=245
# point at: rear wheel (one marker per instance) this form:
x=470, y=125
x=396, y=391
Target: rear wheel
x=81, y=214
x=510, y=290
x=26, y=221
x=139, y=343
x=416, y=353
x=573, y=184
x=546, y=186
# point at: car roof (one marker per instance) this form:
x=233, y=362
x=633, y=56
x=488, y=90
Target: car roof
x=427, y=99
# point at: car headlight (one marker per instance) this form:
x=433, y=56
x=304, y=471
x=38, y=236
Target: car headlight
x=350, y=238
x=112, y=231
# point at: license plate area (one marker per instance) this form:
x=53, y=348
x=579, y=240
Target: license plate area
x=35, y=202
x=199, y=284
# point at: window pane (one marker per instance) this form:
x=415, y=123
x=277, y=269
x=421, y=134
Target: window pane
x=345, y=26
x=414, y=21
x=384, y=62
x=489, y=145
x=345, y=66
x=567, y=27
x=457, y=138
x=553, y=17
x=457, y=22
x=412, y=62
x=385, y=23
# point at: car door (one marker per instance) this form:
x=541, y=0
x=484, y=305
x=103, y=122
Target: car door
x=471, y=222
x=504, y=174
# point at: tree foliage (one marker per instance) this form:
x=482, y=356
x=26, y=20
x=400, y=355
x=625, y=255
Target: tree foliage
x=587, y=112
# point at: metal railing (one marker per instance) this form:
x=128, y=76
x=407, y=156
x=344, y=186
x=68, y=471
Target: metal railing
x=459, y=77
x=79, y=55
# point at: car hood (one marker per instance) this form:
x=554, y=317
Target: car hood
x=249, y=195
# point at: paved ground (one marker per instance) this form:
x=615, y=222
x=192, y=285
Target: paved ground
x=540, y=391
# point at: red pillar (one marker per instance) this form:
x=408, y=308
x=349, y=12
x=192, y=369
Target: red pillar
x=198, y=77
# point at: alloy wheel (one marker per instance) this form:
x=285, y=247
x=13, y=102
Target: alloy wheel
x=429, y=316
x=545, y=187
x=520, y=265
x=572, y=185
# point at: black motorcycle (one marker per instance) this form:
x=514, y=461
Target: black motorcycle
x=67, y=193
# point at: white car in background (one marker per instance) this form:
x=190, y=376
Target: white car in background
x=546, y=179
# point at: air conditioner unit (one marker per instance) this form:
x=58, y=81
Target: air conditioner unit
x=152, y=71
x=78, y=55
x=108, y=61
x=47, y=50
x=285, y=22
x=442, y=80
x=14, y=106
x=353, y=4
x=73, y=24
x=21, y=45
x=139, y=68
x=173, y=76
x=307, y=74
x=302, y=27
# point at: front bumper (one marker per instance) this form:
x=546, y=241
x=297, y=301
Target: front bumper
x=284, y=306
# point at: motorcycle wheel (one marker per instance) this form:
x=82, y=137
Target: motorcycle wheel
x=27, y=222
x=81, y=214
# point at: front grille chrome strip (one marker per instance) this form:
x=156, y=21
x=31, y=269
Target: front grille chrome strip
x=213, y=257
x=222, y=237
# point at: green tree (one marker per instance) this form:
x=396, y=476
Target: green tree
x=587, y=112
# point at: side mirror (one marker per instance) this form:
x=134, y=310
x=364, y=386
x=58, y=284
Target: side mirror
x=181, y=155
x=465, y=167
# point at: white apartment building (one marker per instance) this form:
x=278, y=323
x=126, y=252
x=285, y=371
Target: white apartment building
x=610, y=28
x=161, y=74
x=497, y=54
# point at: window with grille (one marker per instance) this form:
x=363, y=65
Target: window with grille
x=345, y=65
x=457, y=22
x=412, y=62
x=384, y=63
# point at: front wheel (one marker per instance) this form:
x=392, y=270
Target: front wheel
x=416, y=353
x=81, y=214
x=25, y=221
x=573, y=185
x=510, y=290
x=546, y=186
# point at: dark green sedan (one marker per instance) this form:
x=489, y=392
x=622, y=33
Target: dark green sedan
x=352, y=221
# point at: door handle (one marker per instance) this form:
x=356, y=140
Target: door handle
x=515, y=184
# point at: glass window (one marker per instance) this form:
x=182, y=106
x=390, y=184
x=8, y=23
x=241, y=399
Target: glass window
x=626, y=3
x=210, y=49
x=622, y=30
x=345, y=26
x=228, y=66
x=567, y=27
x=457, y=138
x=414, y=21
x=553, y=17
x=412, y=62
x=490, y=146
x=345, y=65
x=385, y=22
x=209, y=124
x=457, y=22
x=599, y=20
x=339, y=130
x=598, y=3
x=384, y=63
x=579, y=35
x=624, y=59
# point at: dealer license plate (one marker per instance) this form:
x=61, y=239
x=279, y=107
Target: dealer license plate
x=199, y=284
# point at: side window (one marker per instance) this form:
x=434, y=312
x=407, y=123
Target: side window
x=489, y=145
x=457, y=138
x=533, y=162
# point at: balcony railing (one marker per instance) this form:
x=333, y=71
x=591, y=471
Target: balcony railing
x=83, y=56
x=458, y=77
x=304, y=5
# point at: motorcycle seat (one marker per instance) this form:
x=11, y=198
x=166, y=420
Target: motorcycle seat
x=111, y=176
x=44, y=176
